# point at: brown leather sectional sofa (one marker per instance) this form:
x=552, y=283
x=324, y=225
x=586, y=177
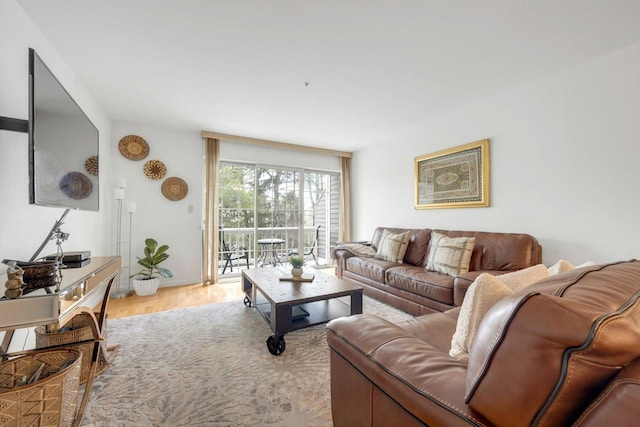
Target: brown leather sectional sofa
x=412, y=288
x=564, y=351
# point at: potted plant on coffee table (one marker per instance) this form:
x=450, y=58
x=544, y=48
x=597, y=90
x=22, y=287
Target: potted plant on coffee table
x=146, y=281
x=297, y=261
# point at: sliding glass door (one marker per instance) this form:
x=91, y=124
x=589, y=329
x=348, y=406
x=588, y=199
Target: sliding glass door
x=269, y=212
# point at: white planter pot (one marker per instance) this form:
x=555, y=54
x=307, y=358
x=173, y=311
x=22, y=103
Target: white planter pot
x=296, y=271
x=146, y=287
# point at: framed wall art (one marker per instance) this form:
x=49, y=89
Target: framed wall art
x=453, y=178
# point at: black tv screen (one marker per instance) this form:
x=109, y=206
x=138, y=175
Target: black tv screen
x=63, y=155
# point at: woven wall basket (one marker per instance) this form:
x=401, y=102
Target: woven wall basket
x=81, y=331
x=52, y=400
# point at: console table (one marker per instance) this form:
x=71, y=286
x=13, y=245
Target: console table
x=80, y=290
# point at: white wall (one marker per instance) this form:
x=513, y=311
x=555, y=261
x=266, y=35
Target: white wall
x=564, y=164
x=175, y=223
x=23, y=226
x=239, y=152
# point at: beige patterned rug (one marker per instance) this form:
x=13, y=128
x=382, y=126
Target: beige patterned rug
x=209, y=366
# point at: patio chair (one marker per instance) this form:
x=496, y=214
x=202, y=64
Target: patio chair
x=232, y=255
x=312, y=249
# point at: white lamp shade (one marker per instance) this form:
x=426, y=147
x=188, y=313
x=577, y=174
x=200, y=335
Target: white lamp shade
x=131, y=207
x=119, y=193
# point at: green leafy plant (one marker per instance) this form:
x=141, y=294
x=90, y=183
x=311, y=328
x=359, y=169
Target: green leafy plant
x=296, y=261
x=153, y=256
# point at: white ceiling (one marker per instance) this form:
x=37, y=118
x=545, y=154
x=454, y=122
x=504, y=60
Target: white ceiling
x=374, y=68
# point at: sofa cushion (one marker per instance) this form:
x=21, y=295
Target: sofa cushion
x=579, y=328
x=500, y=251
x=418, y=243
x=371, y=268
x=449, y=255
x=392, y=247
x=483, y=294
x=422, y=282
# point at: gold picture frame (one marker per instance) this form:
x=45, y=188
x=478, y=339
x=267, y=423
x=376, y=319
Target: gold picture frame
x=453, y=178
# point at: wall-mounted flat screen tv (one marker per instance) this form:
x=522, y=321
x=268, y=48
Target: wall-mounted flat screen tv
x=63, y=154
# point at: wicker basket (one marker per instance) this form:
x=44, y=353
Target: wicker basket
x=80, y=333
x=50, y=401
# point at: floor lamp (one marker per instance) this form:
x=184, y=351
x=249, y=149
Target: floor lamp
x=119, y=195
x=131, y=208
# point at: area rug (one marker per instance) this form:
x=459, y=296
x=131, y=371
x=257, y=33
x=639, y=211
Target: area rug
x=209, y=366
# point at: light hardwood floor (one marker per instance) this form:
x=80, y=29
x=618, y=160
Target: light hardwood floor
x=170, y=298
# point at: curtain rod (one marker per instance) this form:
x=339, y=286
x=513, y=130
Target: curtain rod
x=275, y=144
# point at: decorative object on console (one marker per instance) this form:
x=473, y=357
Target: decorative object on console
x=57, y=234
x=91, y=165
x=155, y=169
x=457, y=177
x=14, y=281
x=34, y=275
x=133, y=147
x=174, y=188
x=146, y=281
x=70, y=257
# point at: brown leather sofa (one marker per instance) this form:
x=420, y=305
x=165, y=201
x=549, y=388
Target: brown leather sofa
x=563, y=352
x=412, y=288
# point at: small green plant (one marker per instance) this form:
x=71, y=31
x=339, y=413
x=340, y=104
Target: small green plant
x=296, y=261
x=153, y=256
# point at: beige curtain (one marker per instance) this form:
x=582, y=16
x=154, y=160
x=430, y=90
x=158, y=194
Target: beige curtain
x=345, y=200
x=211, y=219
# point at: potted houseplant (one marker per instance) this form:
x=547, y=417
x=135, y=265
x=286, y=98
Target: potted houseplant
x=146, y=281
x=297, y=261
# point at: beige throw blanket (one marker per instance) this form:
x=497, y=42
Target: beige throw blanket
x=357, y=249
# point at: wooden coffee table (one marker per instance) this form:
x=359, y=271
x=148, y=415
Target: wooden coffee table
x=288, y=306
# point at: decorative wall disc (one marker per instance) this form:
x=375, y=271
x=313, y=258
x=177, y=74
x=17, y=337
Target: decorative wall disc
x=76, y=185
x=174, y=188
x=155, y=169
x=91, y=165
x=133, y=147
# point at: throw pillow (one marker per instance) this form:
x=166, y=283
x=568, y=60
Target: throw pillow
x=450, y=255
x=560, y=267
x=483, y=294
x=392, y=247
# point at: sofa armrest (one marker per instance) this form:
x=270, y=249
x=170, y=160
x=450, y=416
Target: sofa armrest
x=341, y=255
x=617, y=404
x=422, y=379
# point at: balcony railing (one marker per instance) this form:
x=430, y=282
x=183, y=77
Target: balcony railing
x=245, y=240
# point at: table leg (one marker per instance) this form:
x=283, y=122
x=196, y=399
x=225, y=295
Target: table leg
x=6, y=341
x=98, y=346
x=356, y=303
x=262, y=256
x=276, y=260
